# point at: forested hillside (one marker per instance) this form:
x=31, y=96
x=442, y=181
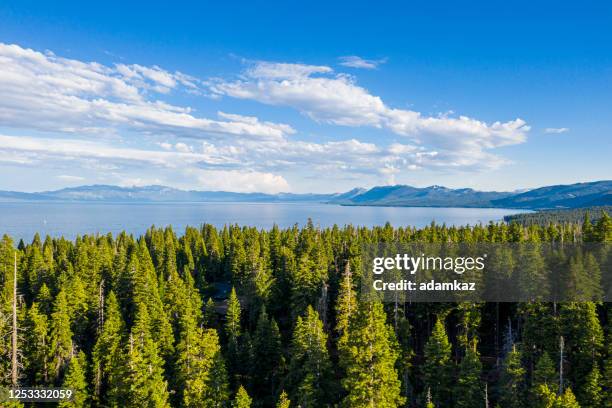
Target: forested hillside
x=572, y=215
x=145, y=322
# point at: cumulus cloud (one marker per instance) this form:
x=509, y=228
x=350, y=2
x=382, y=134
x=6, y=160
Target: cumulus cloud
x=88, y=118
x=354, y=61
x=337, y=99
x=46, y=92
x=247, y=181
x=556, y=130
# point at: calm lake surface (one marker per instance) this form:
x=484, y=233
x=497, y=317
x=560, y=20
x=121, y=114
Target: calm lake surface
x=22, y=220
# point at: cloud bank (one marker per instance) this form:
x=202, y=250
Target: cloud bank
x=336, y=99
x=46, y=92
x=115, y=121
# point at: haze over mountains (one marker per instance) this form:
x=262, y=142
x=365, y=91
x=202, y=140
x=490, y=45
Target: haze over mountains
x=559, y=196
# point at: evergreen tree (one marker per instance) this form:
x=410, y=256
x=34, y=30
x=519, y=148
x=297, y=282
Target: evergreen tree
x=148, y=291
x=36, y=349
x=371, y=378
x=78, y=310
x=233, y=332
x=438, y=365
x=44, y=299
x=568, y=400
x=130, y=305
x=404, y=365
x=267, y=364
x=544, y=374
x=75, y=380
x=546, y=398
x=603, y=229
x=107, y=369
x=242, y=399
x=512, y=381
x=587, y=228
x=346, y=307
x=469, y=390
x=283, y=401
x=232, y=317
x=8, y=259
x=591, y=395
x=310, y=366
x=540, y=331
x=583, y=336
x=210, y=314
x=607, y=370
x=60, y=337
x=146, y=384
x=202, y=369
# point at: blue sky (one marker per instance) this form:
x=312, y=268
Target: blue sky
x=287, y=96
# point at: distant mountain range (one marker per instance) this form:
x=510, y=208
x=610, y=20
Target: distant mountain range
x=596, y=193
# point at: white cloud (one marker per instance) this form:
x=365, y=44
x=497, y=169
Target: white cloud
x=180, y=167
x=239, y=180
x=556, y=130
x=110, y=121
x=354, y=61
x=71, y=178
x=272, y=70
x=240, y=166
x=49, y=93
x=183, y=148
x=37, y=150
x=336, y=99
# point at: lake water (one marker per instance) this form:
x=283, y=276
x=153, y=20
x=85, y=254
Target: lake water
x=24, y=219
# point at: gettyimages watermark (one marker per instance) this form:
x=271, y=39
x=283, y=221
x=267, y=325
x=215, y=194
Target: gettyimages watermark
x=487, y=272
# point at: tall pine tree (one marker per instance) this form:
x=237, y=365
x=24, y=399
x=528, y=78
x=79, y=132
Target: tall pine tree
x=309, y=369
x=437, y=368
x=145, y=374
x=372, y=352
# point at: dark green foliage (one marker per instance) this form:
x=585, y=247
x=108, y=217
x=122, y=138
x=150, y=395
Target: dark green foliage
x=545, y=372
x=469, y=388
x=210, y=314
x=267, y=365
x=310, y=367
x=437, y=369
x=133, y=322
x=145, y=384
x=201, y=369
x=592, y=395
x=571, y=215
x=107, y=369
x=60, y=338
x=372, y=351
x=583, y=336
x=75, y=380
x=512, y=382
